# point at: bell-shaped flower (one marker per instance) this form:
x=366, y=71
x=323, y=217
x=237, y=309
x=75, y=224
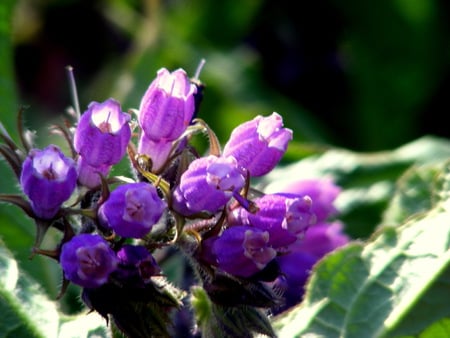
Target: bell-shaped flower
x=167, y=106
x=207, y=185
x=259, y=144
x=87, y=260
x=102, y=134
x=48, y=178
x=243, y=251
x=132, y=209
x=285, y=218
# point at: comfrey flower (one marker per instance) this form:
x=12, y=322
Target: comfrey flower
x=101, y=139
x=259, y=144
x=87, y=260
x=48, y=178
x=207, y=185
x=284, y=217
x=132, y=209
x=166, y=110
x=167, y=106
x=242, y=250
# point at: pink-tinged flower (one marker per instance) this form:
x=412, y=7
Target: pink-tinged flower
x=167, y=106
x=48, y=178
x=286, y=218
x=102, y=134
x=88, y=175
x=132, y=209
x=207, y=185
x=259, y=144
x=243, y=251
x=87, y=260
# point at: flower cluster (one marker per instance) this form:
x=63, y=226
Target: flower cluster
x=239, y=241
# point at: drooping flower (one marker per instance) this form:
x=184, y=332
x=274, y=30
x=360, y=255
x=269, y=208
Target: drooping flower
x=243, y=251
x=48, y=178
x=167, y=106
x=102, y=134
x=259, y=144
x=87, y=260
x=207, y=185
x=132, y=209
x=285, y=217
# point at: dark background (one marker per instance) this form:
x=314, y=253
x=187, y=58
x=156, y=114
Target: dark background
x=367, y=77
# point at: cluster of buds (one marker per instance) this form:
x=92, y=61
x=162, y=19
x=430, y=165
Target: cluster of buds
x=249, y=250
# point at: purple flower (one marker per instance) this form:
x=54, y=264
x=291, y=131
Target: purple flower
x=132, y=209
x=48, y=178
x=102, y=134
x=167, y=106
x=322, y=191
x=207, y=185
x=136, y=264
x=87, y=260
x=243, y=251
x=259, y=144
x=286, y=218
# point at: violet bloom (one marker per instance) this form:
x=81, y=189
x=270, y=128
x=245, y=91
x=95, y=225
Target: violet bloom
x=102, y=134
x=167, y=106
x=259, y=144
x=136, y=265
x=87, y=260
x=132, y=209
x=207, y=185
x=286, y=218
x=243, y=251
x=48, y=178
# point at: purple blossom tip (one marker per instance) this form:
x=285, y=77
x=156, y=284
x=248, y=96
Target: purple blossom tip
x=132, y=209
x=167, y=106
x=87, y=260
x=48, y=178
x=103, y=133
x=259, y=144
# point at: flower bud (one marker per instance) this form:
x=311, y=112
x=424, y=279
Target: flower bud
x=103, y=133
x=136, y=265
x=243, y=251
x=285, y=218
x=48, y=178
x=207, y=185
x=132, y=209
x=167, y=106
x=259, y=144
x=87, y=260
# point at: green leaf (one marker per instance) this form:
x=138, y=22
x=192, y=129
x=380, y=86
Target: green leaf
x=26, y=311
x=391, y=286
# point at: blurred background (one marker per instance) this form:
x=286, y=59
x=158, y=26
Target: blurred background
x=367, y=76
